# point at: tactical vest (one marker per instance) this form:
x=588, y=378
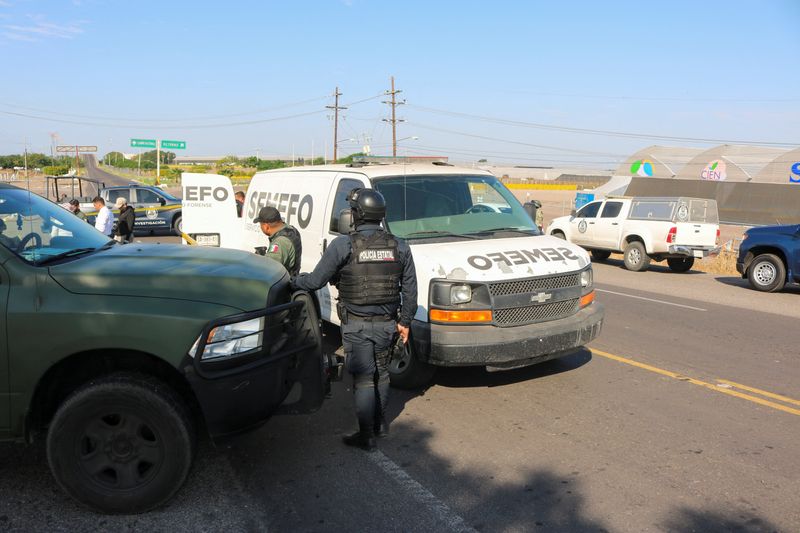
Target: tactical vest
x=373, y=273
x=294, y=237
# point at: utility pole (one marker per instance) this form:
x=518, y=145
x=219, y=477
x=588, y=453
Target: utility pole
x=394, y=120
x=158, y=162
x=27, y=176
x=336, y=109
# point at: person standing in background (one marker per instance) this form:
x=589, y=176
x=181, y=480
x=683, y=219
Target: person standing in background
x=75, y=209
x=125, y=221
x=239, y=196
x=104, y=221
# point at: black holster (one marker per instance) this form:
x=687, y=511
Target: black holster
x=341, y=310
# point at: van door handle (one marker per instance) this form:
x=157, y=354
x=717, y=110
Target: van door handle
x=591, y=222
x=324, y=245
x=615, y=223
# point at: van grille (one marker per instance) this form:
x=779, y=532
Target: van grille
x=517, y=316
x=522, y=286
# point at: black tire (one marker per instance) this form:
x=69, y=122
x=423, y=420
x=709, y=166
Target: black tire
x=177, y=225
x=601, y=255
x=406, y=371
x=559, y=235
x=767, y=273
x=680, y=264
x=635, y=257
x=121, y=444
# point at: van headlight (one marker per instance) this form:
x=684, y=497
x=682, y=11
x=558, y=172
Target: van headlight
x=587, y=281
x=460, y=294
x=231, y=340
x=587, y=287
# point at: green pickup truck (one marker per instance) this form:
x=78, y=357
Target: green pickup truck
x=120, y=356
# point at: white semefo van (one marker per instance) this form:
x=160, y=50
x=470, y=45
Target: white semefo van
x=493, y=291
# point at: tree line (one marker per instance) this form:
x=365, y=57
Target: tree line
x=148, y=159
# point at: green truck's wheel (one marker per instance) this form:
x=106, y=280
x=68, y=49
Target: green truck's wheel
x=121, y=444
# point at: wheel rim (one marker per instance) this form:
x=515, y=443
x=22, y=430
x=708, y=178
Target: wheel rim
x=765, y=273
x=634, y=256
x=120, y=451
x=401, y=358
x=179, y=225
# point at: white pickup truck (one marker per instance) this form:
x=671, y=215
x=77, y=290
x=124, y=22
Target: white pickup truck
x=644, y=229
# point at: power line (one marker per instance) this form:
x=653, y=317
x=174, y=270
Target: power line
x=587, y=131
x=661, y=98
x=171, y=127
x=186, y=119
x=487, y=138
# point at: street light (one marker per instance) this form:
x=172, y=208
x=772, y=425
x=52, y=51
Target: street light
x=413, y=138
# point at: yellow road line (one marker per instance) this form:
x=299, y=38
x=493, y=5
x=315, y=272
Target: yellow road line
x=188, y=239
x=761, y=392
x=710, y=386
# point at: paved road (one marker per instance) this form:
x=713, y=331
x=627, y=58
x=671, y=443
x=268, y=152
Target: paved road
x=97, y=173
x=682, y=416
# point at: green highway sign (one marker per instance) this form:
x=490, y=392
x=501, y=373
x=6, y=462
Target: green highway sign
x=143, y=143
x=173, y=145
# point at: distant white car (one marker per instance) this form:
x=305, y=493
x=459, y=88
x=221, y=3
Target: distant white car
x=489, y=208
x=644, y=229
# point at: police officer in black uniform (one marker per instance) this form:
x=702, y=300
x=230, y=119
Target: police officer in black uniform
x=374, y=273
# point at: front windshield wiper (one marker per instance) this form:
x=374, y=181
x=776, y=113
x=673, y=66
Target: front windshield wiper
x=68, y=253
x=517, y=230
x=439, y=233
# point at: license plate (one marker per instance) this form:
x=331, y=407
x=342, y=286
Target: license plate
x=698, y=254
x=208, y=240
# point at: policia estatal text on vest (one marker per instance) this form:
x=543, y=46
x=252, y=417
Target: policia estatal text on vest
x=372, y=269
x=284, y=240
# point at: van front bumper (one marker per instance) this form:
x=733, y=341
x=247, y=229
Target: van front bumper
x=473, y=345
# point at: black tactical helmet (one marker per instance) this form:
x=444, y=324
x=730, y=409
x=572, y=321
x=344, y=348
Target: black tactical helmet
x=367, y=205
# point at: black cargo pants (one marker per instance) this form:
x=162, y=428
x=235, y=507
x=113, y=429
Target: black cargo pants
x=366, y=345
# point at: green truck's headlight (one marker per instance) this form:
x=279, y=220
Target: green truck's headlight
x=231, y=340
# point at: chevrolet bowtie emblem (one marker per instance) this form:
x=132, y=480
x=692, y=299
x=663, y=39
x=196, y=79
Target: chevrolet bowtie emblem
x=541, y=297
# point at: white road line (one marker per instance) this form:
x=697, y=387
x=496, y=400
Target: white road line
x=653, y=300
x=421, y=494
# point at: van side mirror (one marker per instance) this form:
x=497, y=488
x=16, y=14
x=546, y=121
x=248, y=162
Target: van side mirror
x=572, y=213
x=345, y=225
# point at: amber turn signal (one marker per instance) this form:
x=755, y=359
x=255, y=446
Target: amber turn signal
x=587, y=299
x=440, y=315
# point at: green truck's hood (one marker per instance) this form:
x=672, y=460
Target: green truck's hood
x=227, y=277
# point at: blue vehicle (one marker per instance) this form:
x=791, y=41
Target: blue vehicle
x=770, y=257
x=156, y=210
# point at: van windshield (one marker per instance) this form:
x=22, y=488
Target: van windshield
x=419, y=207
x=37, y=230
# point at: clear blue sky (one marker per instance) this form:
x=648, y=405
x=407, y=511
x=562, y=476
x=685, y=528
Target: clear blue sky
x=716, y=70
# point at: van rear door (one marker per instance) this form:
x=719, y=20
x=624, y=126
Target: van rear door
x=209, y=211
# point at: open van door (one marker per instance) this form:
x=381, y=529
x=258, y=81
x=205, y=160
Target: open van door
x=209, y=211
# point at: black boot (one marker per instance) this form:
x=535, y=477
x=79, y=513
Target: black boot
x=364, y=439
x=382, y=430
